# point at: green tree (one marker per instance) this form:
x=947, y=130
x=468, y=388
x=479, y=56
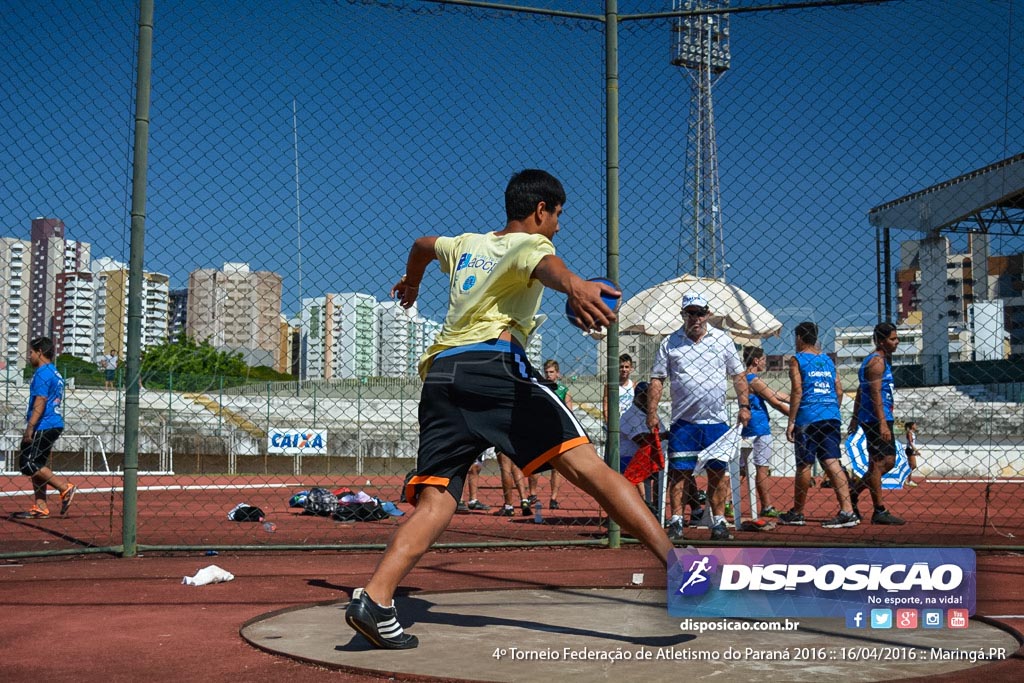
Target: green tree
x=186, y=365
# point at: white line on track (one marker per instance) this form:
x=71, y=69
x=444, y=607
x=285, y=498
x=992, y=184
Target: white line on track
x=170, y=487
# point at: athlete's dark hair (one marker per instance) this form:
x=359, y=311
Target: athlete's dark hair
x=43, y=345
x=807, y=332
x=750, y=354
x=882, y=332
x=528, y=188
x=625, y=358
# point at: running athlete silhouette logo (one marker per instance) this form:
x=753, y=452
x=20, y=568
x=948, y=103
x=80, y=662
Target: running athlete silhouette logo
x=697, y=576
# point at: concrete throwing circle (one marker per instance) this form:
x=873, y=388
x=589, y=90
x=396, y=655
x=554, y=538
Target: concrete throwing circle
x=615, y=634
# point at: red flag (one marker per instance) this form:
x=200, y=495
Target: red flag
x=647, y=460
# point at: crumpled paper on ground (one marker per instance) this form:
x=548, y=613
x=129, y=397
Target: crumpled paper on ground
x=207, y=575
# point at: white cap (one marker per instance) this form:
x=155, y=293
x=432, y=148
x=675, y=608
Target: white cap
x=694, y=299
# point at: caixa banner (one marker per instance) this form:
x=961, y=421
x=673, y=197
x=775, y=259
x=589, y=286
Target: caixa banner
x=817, y=582
x=297, y=441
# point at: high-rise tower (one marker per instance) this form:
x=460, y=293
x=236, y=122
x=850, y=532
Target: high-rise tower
x=700, y=44
x=52, y=256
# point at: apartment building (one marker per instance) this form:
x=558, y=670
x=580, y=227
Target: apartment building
x=15, y=261
x=76, y=316
x=177, y=316
x=236, y=309
x=340, y=333
x=51, y=256
x=112, y=307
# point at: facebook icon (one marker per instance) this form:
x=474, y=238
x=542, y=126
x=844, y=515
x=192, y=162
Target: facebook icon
x=855, y=618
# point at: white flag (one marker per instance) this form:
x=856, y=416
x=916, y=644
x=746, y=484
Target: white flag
x=725, y=449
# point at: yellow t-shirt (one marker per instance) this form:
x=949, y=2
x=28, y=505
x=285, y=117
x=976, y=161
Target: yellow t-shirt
x=490, y=288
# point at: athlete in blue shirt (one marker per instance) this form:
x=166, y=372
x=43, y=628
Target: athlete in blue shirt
x=44, y=423
x=758, y=430
x=873, y=411
x=814, y=397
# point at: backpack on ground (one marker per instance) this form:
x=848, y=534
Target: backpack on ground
x=360, y=512
x=321, y=502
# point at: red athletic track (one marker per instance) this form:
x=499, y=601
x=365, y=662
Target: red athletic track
x=939, y=513
x=98, y=618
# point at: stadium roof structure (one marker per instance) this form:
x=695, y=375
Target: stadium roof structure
x=988, y=200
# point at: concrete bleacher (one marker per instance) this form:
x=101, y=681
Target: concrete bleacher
x=225, y=425
x=960, y=410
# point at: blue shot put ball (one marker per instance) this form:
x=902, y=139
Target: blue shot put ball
x=610, y=301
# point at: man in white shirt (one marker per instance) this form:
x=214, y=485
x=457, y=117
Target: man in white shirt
x=634, y=432
x=697, y=359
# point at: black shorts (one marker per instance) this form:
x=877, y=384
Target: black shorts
x=36, y=453
x=473, y=400
x=878, y=448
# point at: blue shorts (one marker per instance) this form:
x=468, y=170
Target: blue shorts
x=687, y=439
x=817, y=440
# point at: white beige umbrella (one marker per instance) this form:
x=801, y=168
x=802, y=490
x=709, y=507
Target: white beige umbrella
x=655, y=311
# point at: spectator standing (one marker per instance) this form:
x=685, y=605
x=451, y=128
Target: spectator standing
x=759, y=430
x=634, y=432
x=626, y=386
x=910, y=430
x=873, y=412
x=553, y=377
x=815, y=394
x=473, y=484
x=512, y=484
x=108, y=364
x=696, y=360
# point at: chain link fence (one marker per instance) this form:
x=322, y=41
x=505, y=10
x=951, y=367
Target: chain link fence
x=760, y=155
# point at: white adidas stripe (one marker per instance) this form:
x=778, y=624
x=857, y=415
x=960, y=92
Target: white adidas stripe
x=562, y=406
x=389, y=628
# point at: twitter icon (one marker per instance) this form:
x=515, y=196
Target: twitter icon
x=881, y=618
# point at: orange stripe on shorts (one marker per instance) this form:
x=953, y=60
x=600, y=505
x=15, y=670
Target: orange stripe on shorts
x=410, y=488
x=537, y=462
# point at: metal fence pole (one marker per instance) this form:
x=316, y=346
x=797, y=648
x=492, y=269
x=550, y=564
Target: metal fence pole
x=611, y=56
x=220, y=405
x=170, y=396
x=136, y=250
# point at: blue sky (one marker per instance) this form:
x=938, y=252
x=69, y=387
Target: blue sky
x=412, y=116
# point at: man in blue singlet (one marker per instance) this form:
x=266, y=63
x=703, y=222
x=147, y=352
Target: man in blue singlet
x=814, y=397
x=873, y=411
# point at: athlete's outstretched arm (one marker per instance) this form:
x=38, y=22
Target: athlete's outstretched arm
x=408, y=286
x=584, y=295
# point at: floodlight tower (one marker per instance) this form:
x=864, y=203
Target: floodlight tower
x=700, y=44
